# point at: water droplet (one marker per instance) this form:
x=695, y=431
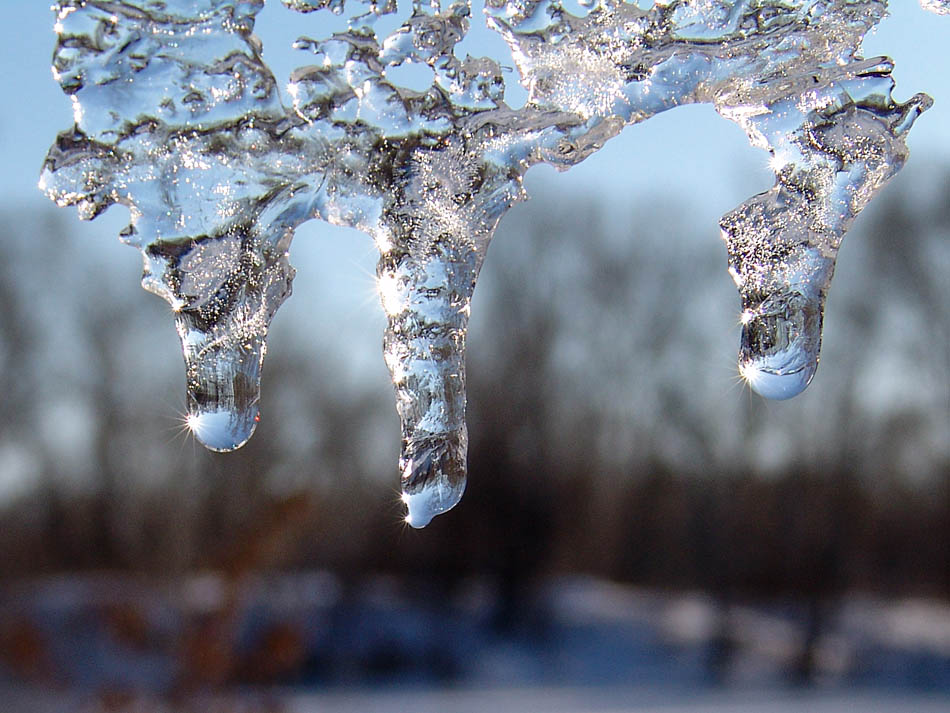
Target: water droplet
x=433, y=476
x=781, y=341
x=223, y=430
x=224, y=383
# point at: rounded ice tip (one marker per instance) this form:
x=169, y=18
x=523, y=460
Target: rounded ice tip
x=437, y=498
x=433, y=475
x=424, y=505
x=222, y=430
x=781, y=342
x=776, y=385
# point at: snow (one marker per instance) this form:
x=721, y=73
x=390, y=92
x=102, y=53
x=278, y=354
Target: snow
x=513, y=700
x=568, y=700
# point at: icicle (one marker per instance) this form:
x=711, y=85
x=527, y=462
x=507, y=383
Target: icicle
x=834, y=144
x=178, y=118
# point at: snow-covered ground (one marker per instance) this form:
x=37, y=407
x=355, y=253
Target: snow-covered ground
x=553, y=700
x=526, y=700
x=307, y=643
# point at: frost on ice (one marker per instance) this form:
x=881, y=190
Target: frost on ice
x=941, y=7
x=178, y=117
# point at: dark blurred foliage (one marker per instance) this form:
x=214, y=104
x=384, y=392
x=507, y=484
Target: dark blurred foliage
x=607, y=439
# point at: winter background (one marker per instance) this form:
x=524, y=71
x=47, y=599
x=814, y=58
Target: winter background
x=640, y=532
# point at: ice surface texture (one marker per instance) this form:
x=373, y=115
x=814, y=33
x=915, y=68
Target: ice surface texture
x=941, y=7
x=178, y=118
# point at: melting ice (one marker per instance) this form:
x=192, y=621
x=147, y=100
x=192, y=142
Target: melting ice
x=178, y=117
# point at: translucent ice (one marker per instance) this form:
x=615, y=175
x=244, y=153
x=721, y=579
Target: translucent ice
x=178, y=118
x=941, y=7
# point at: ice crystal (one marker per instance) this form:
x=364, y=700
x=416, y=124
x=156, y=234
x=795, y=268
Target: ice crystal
x=178, y=118
x=941, y=7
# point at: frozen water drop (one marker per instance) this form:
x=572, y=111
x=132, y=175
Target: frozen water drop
x=222, y=430
x=776, y=385
x=433, y=476
x=223, y=389
x=781, y=341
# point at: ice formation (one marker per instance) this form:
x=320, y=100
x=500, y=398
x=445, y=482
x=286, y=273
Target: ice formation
x=178, y=117
x=941, y=7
